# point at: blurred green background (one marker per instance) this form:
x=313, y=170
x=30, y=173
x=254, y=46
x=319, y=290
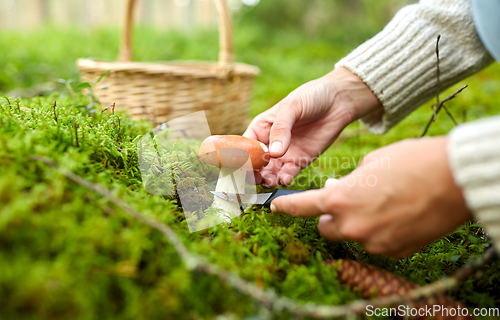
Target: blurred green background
x=291, y=41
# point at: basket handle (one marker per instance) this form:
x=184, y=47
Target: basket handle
x=226, y=47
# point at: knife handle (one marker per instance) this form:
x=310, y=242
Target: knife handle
x=278, y=193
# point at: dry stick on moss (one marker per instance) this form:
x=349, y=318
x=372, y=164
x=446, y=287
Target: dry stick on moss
x=269, y=298
x=10, y=106
x=110, y=106
x=54, y=108
x=76, y=133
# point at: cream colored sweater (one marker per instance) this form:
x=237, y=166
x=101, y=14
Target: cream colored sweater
x=399, y=65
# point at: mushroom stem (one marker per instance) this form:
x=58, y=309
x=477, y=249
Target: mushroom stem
x=230, y=181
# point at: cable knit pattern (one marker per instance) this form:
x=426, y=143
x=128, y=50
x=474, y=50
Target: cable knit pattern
x=474, y=153
x=399, y=63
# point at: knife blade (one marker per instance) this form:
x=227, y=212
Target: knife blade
x=262, y=198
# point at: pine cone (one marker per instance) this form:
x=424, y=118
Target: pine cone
x=374, y=282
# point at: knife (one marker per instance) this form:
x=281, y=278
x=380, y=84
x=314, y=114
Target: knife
x=261, y=198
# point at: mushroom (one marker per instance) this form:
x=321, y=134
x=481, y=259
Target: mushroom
x=235, y=155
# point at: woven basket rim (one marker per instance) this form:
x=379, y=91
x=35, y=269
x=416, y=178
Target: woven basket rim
x=194, y=68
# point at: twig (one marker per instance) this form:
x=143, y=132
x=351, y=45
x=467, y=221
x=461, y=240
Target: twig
x=55, y=114
x=450, y=115
x=6, y=98
x=76, y=133
x=474, y=264
x=439, y=104
x=10, y=106
x=267, y=297
x=438, y=86
x=112, y=106
x=438, y=107
x=120, y=203
x=453, y=95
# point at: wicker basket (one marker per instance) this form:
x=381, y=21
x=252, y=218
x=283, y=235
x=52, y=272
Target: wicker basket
x=161, y=91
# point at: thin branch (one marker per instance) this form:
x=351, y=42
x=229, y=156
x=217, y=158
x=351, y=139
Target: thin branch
x=453, y=95
x=440, y=105
x=120, y=203
x=54, y=108
x=6, y=98
x=450, y=115
x=438, y=85
x=10, y=106
x=267, y=297
x=76, y=133
x=112, y=106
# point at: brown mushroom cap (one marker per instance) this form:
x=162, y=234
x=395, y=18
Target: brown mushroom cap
x=232, y=151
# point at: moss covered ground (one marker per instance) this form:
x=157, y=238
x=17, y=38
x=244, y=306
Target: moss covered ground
x=67, y=253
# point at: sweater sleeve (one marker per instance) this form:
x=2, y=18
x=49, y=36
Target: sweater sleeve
x=474, y=156
x=399, y=63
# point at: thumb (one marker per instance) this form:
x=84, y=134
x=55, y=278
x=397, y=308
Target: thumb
x=281, y=130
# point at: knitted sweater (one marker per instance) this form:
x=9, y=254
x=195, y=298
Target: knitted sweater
x=399, y=66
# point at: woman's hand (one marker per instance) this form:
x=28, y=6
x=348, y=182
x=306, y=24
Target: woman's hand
x=302, y=125
x=400, y=198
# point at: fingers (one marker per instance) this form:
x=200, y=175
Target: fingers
x=260, y=127
x=270, y=173
x=277, y=173
x=307, y=204
x=287, y=173
x=281, y=130
x=250, y=132
x=328, y=228
x=285, y=179
x=269, y=181
x=331, y=182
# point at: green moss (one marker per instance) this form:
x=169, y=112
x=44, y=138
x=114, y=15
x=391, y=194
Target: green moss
x=73, y=254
